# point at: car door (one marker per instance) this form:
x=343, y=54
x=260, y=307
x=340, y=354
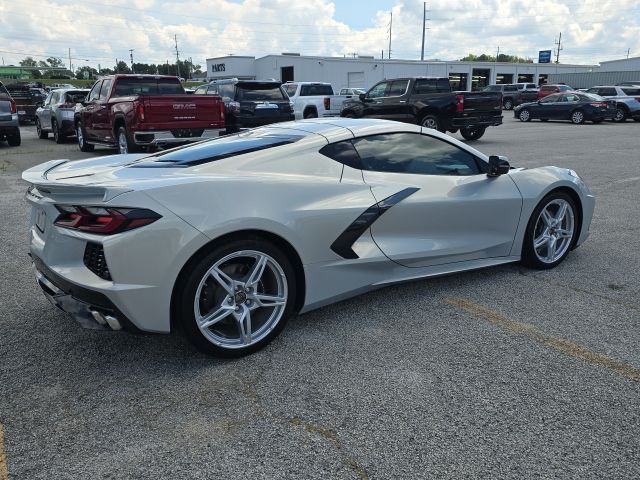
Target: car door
x=394, y=105
x=45, y=112
x=450, y=210
x=569, y=102
x=372, y=103
x=548, y=107
x=101, y=115
x=88, y=110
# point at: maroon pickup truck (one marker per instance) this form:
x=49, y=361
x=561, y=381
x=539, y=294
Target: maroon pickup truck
x=135, y=112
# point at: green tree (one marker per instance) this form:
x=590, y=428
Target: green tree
x=122, y=67
x=90, y=70
x=28, y=62
x=501, y=58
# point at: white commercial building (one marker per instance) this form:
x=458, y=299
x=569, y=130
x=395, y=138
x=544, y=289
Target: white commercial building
x=364, y=72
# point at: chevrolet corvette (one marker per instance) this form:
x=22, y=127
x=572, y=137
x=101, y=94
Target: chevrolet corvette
x=228, y=238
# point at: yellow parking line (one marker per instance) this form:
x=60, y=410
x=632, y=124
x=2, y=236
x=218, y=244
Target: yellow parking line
x=565, y=346
x=4, y=474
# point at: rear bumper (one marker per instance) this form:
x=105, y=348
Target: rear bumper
x=159, y=138
x=482, y=121
x=91, y=309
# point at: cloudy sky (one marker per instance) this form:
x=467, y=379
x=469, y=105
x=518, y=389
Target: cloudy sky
x=99, y=31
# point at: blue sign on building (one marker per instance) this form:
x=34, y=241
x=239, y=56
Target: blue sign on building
x=544, y=56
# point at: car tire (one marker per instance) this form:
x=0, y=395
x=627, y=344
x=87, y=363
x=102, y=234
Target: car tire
x=472, y=133
x=15, y=139
x=621, y=115
x=310, y=114
x=123, y=143
x=81, y=136
x=507, y=104
x=231, y=281
x=524, y=115
x=577, y=117
x=41, y=133
x=430, y=121
x=547, y=226
x=57, y=136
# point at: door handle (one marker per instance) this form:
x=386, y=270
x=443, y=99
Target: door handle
x=402, y=101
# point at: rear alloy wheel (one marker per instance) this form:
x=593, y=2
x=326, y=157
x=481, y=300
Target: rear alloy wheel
x=82, y=139
x=550, y=232
x=124, y=145
x=41, y=133
x=507, y=104
x=238, y=298
x=472, y=133
x=57, y=136
x=577, y=117
x=524, y=115
x=621, y=115
x=430, y=121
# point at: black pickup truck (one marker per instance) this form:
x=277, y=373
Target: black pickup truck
x=429, y=102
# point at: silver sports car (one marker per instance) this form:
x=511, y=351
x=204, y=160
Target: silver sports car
x=228, y=238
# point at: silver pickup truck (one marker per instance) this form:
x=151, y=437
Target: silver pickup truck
x=9, y=123
x=314, y=99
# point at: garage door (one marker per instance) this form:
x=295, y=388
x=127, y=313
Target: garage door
x=355, y=79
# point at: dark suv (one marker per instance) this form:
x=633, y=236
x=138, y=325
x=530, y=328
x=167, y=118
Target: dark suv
x=514, y=93
x=250, y=103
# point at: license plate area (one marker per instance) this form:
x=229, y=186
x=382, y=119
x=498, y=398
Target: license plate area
x=41, y=219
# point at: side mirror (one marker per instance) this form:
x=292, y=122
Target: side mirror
x=498, y=165
x=362, y=96
x=39, y=104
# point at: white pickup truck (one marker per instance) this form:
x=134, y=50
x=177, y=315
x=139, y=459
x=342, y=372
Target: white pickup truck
x=314, y=99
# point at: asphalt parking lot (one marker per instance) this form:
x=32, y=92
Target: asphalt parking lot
x=499, y=373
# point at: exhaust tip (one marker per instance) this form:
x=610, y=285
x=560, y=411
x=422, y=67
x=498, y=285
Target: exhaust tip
x=106, y=320
x=99, y=317
x=113, y=322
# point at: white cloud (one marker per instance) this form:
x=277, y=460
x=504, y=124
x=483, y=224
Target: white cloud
x=102, y=30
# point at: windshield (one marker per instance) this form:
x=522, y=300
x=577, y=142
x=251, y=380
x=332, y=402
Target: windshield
x=258, y=93
x=76, y=96
x=217, y=149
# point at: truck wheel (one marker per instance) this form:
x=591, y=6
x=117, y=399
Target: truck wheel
x=14, y=140
x=41, y=133
x=310, y=114
x=507, y=104
x=124, y=145
x=471, y=133
x=430, y=121
x=82, y=139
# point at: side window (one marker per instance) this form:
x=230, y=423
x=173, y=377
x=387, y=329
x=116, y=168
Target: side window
x=443, y=85
x=55, y=96
x=570, y=97
x=227, y=92
x=95, y=91
x=593, y=90
x=200, y=91
x=425, y=85
x=48, y=100
x=413, y=153
x=104, y=91
x=551, y=98
x=398, y=88
x=510, y=88
x=342, y=152
x=378, y=91
x=291, y=89
x=607, y=92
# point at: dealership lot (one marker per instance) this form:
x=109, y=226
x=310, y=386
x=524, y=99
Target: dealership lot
x=500, y=373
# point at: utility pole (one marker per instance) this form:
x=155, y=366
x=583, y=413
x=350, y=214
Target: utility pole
x=131, y=57
x=558, y=48
x=390, y=26
x=424, y=27
x=70, y=67
x=628, y=51
x=175, y=37
x=498, y=54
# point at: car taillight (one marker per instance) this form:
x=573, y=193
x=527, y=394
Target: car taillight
x=459, y=103
x=232, y=107
x=103, y=220
x=67, y=106
x=140, y=112
x=327, y=103
x=14, y=107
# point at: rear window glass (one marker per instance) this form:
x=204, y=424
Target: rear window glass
x=148, y=86
x=631, y=91
x=310, y=90
x=75, y=96
x=593, y=96
x=251, y=93
x=212, y=150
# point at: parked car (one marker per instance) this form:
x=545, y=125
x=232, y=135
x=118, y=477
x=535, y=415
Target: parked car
x=56, y=115
x=314, y=99
x=635, y=83
x=250, y=103
x=545, y=90
x=627, y=100
x=574, y=106
x=26, y=101
x=510, y=92
x=429, y=101
x=132, y=112
x=9, y=122
x=227, y=239
x=352, y=92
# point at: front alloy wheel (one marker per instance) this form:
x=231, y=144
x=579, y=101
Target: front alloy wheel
x=577, y=117
x=238, y=298
x=550, y=232
x=524, y=115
